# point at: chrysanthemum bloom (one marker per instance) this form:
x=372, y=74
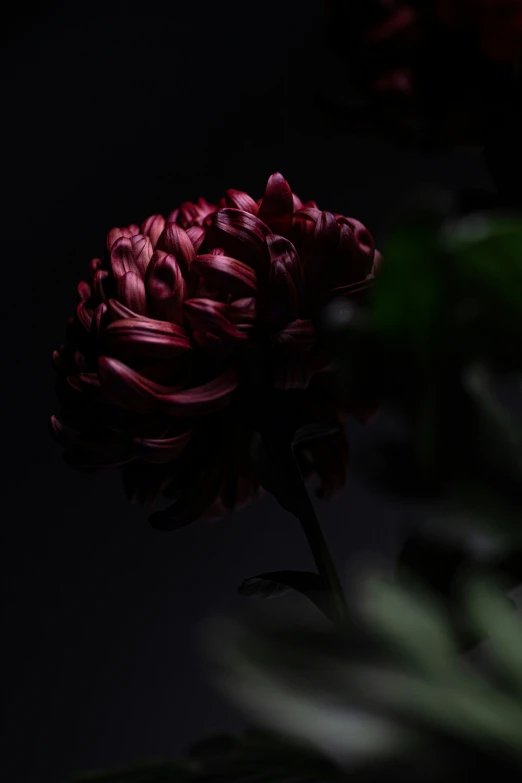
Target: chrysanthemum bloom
x=192, y=325
x=432, y=73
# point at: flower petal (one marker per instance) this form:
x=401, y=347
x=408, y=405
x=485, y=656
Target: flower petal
x=242, y=235
x=236, y=199
x=299, y=333
x=225, y=274
x=286, y=281
x=175, y=241
x=277, y=206
x=84, y=291
x=85, y=315
x=196, y=234
x=100, y=316
x=131, y=292
x=209, y=316
x=161, y=450
x=153, y=228
x=117, y=233
x=117, y=310
x=131, y=390
x=142, y=251
x=122, y=258
x=165, y=287
x=100, y=283
x=144, y=338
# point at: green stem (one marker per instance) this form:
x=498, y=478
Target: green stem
x=282, y=454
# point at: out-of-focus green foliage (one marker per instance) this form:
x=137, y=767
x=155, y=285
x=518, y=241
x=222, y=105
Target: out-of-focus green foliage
x=444, y=322
x=393, y=692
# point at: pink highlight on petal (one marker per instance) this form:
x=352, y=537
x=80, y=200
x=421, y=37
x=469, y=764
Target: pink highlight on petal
x=161, y=450
x=236, y=199
x=165, y=287
x=277, y=206
x=175, y=241
x=130, y=389
x=144, y=338
x=131, y=292
x=153, y=228
x=225, y=274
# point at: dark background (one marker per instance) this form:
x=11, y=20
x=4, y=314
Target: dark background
x=112, y=112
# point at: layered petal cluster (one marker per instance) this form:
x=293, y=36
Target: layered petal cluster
x=188, y=325
x=432, y=73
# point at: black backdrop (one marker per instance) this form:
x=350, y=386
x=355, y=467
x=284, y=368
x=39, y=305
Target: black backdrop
x=114, y=111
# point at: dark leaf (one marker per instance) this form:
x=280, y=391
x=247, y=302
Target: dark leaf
x=313, y=431
x=278, y=583
x=154, y=771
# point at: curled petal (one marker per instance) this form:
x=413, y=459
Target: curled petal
x=286, y=280
x=173, y=217
x=118, y=233
x=80, y=365
x=58, y=360
x=356, y=291
x=300, y=333
x=303, y=226
x=130, y=389
x=242, y=235
x=131, y=292
x=84, y=291
x=327, y=232
x=362, y=236
x=175, y=241
x=85, y=315
x=377, y=263
x=99, y=319
x=196, y=234
x=100, y=282
x=165, y=287
x=122, y=258
x=94, y=265
x=209, y=316
x=153, y=228
x=277, y=206
x=225, y=274
x=117, y=310
x=236, y=199
x=144, y=338
x=160, y=450
x=142, y=251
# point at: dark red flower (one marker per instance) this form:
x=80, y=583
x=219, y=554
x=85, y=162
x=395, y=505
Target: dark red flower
x=190, y=325
x=432, y=73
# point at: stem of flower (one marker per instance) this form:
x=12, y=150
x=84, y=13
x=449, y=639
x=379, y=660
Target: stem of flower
x=282, y=455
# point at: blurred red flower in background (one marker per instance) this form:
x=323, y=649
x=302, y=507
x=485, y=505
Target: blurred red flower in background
x=192, y=323
x=431, y=73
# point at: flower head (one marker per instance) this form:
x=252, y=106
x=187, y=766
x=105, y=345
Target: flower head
x=432, y=73
x=188, y=326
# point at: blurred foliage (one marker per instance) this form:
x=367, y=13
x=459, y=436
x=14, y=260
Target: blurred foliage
x=392, y=698
x=444, y=323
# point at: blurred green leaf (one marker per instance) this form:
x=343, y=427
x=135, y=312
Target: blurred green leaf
x=494, y=615
x=362, y=701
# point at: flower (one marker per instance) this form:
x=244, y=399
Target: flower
x=188, y=327
x=431, y=73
